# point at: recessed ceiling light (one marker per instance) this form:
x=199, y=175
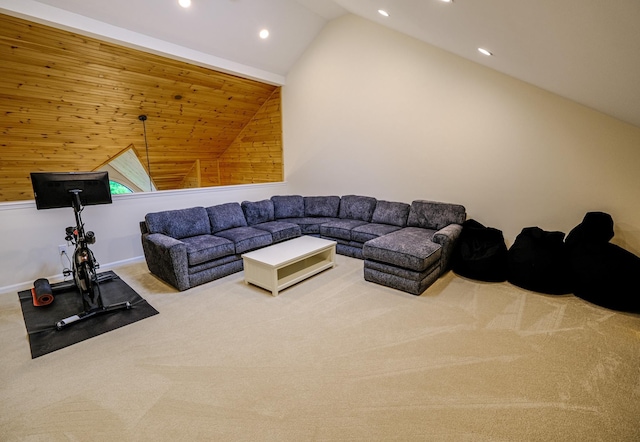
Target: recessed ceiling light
x=447, y=1
x=184, y=3
x=383, y=12
x=484, y=51
x=264, y=33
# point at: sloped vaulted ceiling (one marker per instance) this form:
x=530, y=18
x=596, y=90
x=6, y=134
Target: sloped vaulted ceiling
x=584, y=50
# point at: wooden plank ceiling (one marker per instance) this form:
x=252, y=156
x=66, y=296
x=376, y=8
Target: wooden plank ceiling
x=70, y=103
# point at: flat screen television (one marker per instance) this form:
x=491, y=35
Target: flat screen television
x=55, y=189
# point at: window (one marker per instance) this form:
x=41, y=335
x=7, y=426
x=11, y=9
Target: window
x=118, y=189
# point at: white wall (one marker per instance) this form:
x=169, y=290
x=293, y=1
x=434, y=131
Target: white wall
x=370, y=111
x=30, y=237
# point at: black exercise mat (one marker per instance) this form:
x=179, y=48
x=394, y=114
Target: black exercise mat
x=45, y=338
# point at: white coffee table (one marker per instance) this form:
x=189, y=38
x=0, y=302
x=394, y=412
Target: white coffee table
x=281, y=265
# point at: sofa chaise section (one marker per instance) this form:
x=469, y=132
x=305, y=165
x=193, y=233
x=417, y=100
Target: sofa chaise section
x=406, y=260
x=412, y=258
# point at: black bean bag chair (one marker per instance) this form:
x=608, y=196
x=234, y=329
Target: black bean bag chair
x=480, y=253
x=595, y=228
x=538, y=262
x=602, y=273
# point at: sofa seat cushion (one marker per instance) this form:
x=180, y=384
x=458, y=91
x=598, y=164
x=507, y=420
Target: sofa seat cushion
x=308, y=225
x=279, y=230
x=370, y=231
x=256, y=212
x=321, y=206
x=204, y=248
x=410, y=248
x=288, y=206
x=390, y=212
x=178, y=224
x=340, y=228
x=226, y=216
x=246, y=239
x=357, y=207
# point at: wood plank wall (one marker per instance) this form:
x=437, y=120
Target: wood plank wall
x=255, y=156
x=71, y=102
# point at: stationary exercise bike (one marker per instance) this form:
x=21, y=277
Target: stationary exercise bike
x=54, y=190
x=84, y=267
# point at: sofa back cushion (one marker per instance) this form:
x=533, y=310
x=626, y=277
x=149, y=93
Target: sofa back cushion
x=435, y=215
x=323, y=206
x=182, y=223
x=392, y=213
x=257, y=212
x=226, y=216
x=288, y=206
x=357, y=207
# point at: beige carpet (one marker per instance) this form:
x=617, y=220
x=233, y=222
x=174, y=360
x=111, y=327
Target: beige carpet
x=332, y=358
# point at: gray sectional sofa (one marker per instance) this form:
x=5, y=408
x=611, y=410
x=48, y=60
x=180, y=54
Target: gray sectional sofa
x=404, y=246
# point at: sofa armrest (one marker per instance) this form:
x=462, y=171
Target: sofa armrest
x=447, y=238
x=167, y=259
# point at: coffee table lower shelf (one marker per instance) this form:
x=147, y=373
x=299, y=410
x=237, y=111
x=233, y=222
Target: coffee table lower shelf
x=277, y=267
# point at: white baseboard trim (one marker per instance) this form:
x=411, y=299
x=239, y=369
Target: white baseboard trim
x=60, y=277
